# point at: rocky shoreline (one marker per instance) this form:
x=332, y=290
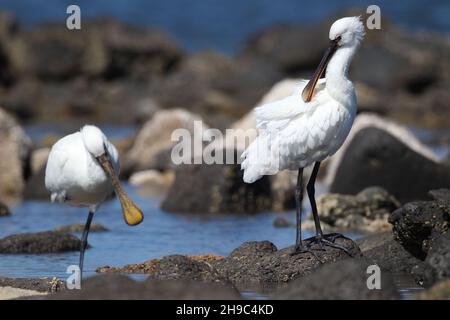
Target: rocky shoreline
x=406, y=250
x=383, y=182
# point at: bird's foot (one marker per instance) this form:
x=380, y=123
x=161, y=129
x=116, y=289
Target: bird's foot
x=301, y=249
x=327, y=240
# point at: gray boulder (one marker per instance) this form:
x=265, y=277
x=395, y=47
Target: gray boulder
x=41, y=242
x=376, y=158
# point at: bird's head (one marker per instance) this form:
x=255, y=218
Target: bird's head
x=95, y=143
x=345, y=32
x=94, y=140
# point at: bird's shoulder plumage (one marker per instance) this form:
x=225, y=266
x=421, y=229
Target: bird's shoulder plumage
x=277, y=114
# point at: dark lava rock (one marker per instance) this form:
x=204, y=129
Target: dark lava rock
x=340, y=280
x=40, y=242
x=440, y=195
x=416, y=224
x=120, y=287
x=388, y=254
x=178, y=267
x=375, y=158
x=436, y=266
x=4, y=210
x=216, y=189
x=41, y=285
x=262, y=263
x=367, y=211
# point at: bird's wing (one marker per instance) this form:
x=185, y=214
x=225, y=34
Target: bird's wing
x=276, y=115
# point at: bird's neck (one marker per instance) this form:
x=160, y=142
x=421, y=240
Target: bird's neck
x=338, y=84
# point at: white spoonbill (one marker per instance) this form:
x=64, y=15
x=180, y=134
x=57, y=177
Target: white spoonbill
x=310, y=125
x=82, y=170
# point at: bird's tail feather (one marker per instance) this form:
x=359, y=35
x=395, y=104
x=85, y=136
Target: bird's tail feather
x=260, y=158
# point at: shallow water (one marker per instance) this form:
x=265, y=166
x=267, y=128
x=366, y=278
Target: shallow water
x=160, y=234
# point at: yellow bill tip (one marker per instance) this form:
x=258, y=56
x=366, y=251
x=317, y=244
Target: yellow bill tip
x=133, y=215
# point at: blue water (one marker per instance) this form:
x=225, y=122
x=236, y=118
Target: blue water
x=160, y=234
x=226, y=25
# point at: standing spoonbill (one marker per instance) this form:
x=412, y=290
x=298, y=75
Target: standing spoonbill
x=309, y=126
x=82, y=170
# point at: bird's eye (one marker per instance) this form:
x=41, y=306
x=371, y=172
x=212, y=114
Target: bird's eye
x=338, y=38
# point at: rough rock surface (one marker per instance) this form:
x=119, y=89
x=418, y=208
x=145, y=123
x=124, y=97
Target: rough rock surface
x=367, y=211
x=255, y=263
x=120, y=287
x=41, y=242
x=375, y=157
x=417, y=223
x=178, y=267
x=387, y=253
x=436, y=266
x=342, y=280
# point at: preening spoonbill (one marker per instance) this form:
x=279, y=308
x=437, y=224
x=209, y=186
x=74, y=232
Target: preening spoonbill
x=82, y=170
x=310, y=125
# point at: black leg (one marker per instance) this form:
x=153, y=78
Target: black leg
x=310, y=188
x=84, y=238
x=298, y=208
x=320, y=238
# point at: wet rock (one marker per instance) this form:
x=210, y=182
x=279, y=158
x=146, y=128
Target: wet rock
x=120, y=287
x=367, y=211
x=375, y=157
x=149, y=267
x=152, y=182
x=216, y=188
x=440, y=291
x=388, y=254
x=417, y=223
x=155, y=137
x=4, y=210
x=178, y=267
x=342, y=280
x=262, y=263
x=78, y=227
x=40, y=242
x=14, y=157
x=436, y=266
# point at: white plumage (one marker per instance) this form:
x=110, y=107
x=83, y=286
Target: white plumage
x=294, y=133
x=73, y=174
x=82, y=170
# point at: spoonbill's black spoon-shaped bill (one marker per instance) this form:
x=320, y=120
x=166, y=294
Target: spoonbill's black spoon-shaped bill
x=308, y=126
x=82, y=170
